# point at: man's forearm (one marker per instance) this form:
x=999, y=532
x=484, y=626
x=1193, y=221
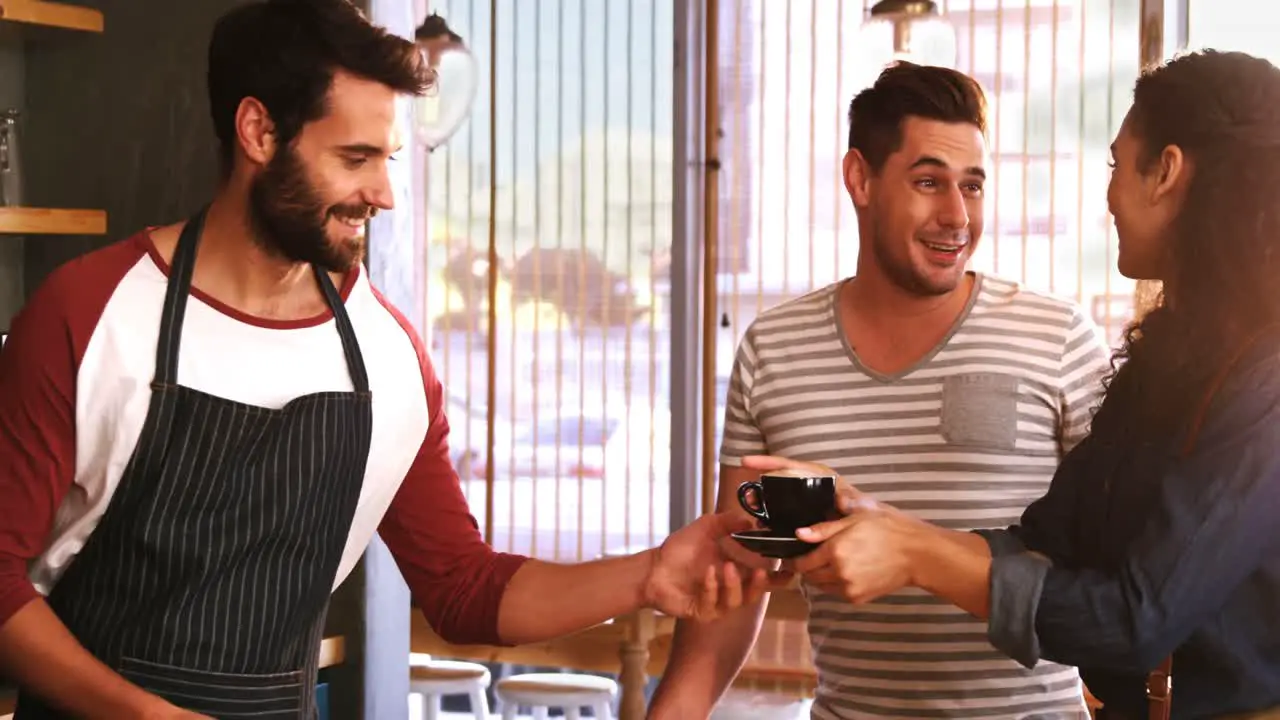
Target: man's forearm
x=546, y=600
x=38, y=652
x=705, y=658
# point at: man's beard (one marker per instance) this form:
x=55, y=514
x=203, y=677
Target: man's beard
x=290, y=218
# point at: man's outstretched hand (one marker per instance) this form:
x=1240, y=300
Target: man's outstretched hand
x=693, y=578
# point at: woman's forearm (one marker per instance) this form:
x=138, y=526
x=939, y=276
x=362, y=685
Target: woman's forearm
x=955, y=566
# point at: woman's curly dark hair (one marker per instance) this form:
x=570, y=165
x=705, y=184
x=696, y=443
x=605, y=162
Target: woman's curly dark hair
x=1222, y=109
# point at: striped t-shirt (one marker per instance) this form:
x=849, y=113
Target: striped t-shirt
x=965, y=438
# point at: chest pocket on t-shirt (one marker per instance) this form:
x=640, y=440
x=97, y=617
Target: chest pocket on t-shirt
x=980, y=410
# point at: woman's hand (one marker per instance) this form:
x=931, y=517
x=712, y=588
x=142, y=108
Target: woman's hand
x=863, y=556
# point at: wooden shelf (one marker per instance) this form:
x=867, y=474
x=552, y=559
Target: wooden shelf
x=44, y=221
x=52, y=14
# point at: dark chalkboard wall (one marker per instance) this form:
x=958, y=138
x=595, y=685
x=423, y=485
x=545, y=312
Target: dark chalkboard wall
x=119, y=122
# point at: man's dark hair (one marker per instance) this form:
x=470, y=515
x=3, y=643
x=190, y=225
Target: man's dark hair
x=284, y=53
x=905, y=90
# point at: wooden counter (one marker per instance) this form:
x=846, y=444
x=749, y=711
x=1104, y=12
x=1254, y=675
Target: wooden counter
x=333, y=651
x=635, y=647
x=623, y=646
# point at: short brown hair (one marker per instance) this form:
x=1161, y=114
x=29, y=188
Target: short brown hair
x=905, y=90
x=284, y=53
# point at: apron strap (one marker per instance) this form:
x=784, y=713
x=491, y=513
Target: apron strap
x=175, y=302
x=350, y=345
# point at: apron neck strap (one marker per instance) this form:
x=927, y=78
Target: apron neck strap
x=175, y=307
x=350, y=346
x=175, y=301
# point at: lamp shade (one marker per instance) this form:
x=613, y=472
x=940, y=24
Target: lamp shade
x=439, y=113
x=911, y=30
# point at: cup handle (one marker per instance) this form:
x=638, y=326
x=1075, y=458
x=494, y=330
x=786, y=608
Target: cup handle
x=743, y=492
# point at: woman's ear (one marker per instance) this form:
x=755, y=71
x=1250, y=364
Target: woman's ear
x=1170, y=175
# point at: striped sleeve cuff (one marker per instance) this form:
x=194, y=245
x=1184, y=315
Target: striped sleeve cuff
x=1016, y=582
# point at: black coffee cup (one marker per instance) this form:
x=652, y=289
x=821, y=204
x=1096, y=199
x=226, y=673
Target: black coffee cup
x=787, y=500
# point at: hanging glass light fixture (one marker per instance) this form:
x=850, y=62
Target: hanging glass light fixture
x=439, y=113
x=911, y=30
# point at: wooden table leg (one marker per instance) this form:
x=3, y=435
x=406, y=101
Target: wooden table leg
x=635, y=659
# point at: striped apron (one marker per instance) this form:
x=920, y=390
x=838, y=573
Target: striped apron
x=207, y=580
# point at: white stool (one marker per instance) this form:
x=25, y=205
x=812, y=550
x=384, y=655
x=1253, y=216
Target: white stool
x=571, y=693
x=434, y=679
x=751, y=705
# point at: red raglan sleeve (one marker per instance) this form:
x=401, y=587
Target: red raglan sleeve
x=456, y=579
x=39, y=371
x=37, y=434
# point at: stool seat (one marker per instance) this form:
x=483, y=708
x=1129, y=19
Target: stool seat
x=434, y=679
x=540, y=684
x=754, y=705
x=448, y=670
x=567, y=691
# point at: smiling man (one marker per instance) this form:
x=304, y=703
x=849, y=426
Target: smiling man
x=202, y=426
x=950, y=393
